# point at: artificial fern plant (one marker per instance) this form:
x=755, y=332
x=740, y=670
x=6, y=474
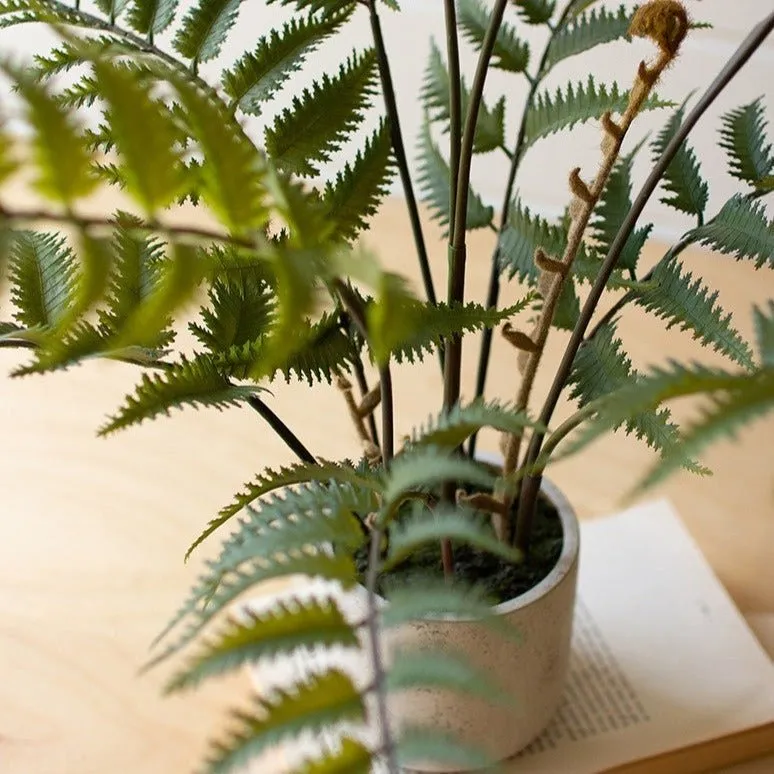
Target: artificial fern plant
x=290, y=295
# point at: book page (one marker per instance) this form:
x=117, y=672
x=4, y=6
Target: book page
x=661, y=657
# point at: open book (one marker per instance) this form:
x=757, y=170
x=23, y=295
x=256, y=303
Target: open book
x=665, y=676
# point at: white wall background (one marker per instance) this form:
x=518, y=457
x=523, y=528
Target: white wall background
x=542, y=177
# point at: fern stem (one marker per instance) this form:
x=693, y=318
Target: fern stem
x=455, y=104
x=398, y=147
x=362, y=385
x=374, y=637
x=282, y=430
x=673, y=252
x=751, y=43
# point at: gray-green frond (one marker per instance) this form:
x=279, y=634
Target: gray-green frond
x=450, y=429
x=197, y=382
x=259, y=74
x=112, y=8
x=310, y=706
x=686, y=190
x=675, y=297
x=434, y=184
x=743, y=137
x=354, y=195
x=281, y=630
x=535, y=11
x=510, y=52
x=13, y=12
x=586, y=31
x=271, y=480
x=204, y=29
x=740, y=229
x=490, y=123
x=575, y=104
x=611, y=211
x=763, y=320
x=152, y=17
x=306, y=134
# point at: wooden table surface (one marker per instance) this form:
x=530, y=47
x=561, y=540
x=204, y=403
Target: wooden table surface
x=92, y=531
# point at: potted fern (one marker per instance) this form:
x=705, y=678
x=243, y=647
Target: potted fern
x=461, y=550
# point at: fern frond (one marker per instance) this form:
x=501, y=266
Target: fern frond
x=435, y=187
x=281, y=630
x=490, y=123
x=686, y=190
x=349, y=755
x=535, y=11
x=764, y=333
x=510, y=52
x=678, y=299
x=357, y=190
x=112, y=8
x=445, y=523
x=270, y=480
x=66, y=56
x=43, y=277
x=259, y=74
x=435, y=323
x=600, y=369
x=61, y=160
x=204, y=29
x=612, y=209
x=743, y=137
x=740, y=229
x=13, y=12
x=450, y=429
x=311, y=707
x=319, y=120
x=152, y=17
x=576, y=104
x=195, y=382
x=586, y=31
x=144, y=134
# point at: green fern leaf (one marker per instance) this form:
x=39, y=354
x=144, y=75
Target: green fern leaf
x=576, y=104
x=280, y=630
x=675, y=297
x=270, y=480
x=204, y=29
x=740, y=229
x=194, y=383
x=433, y=324
x=417, y=744
x=535, y=11
x=450, y=429
x=510, y=52
x=445, y=523
x=61, y=160
x=43, y=277
x=152, y=17
x=319, y=121
x=586, y=31
x=328, y=7
x=419, y=468
x=611, y=211
x=490, y=126
x=145, y=135
x=259, y=74
x=600, y=369
x=9, y=330
x=355, y=194
x=312, y=706
x=726, y=415
x=112, y=8
x=350, y=757
x=65, y=57
x=435, y=186
x=687, y=190
x=743, y=137
x=15, y=12
x=764, y=333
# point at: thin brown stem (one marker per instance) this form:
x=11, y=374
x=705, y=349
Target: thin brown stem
x=282, y=430
x=748, y=47
x=455, y=104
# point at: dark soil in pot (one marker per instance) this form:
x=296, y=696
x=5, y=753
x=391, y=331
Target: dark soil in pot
x=501, y=580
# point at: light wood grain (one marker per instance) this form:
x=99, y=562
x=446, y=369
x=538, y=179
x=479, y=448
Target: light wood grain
x=92, y=531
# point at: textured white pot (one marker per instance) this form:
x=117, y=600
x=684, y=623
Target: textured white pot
x=531, y=670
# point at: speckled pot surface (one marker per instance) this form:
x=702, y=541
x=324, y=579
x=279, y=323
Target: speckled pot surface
x=532, y=670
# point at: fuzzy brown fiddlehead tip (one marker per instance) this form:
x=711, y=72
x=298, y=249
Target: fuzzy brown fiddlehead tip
x=666, y=22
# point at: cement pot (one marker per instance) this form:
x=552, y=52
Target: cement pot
x=531, y=669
